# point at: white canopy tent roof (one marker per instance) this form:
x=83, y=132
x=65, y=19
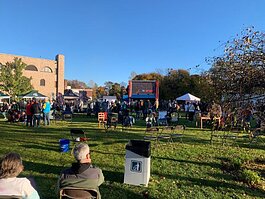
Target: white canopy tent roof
x=188, y=97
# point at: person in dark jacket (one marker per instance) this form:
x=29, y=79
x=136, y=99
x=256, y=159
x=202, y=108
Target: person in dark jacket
x=82, y=174
x=36, y=112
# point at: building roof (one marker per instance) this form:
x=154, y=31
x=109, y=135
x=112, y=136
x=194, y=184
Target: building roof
x=69, y=94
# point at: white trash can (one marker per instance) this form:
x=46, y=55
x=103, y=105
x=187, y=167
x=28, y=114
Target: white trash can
x=137, y=163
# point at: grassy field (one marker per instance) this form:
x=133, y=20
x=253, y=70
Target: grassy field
x=188, y=169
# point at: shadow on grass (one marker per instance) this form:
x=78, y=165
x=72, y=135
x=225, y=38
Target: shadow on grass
x=109, y=153
x=41, y=147
x=254, y=145
x=189, y=139
x=215, y=184
x=112, y=191
x=222, y=176
x=42, y=168
x=113, y=176
x=115, y=142
x=210, y=164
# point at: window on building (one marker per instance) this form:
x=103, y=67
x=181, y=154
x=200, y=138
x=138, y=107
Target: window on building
x=46, y=69
x=42, y=82
x=31, y=67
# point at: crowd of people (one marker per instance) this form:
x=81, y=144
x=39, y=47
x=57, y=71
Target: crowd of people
x=34, y=111
x=82, y=174
x=29, y=113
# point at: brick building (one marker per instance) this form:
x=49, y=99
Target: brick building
x=47, y=75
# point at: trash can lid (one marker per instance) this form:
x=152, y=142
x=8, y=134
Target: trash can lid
x=140, y=147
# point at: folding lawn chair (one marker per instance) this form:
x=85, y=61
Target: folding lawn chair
x=68, y=117
x=102, y=118
x=162, y=118
x=57, y=115
x=112, y=121
x=127, y=122
x=151, y=134
x=223, y=135
x=165, y=134
x=177, y=132
x=174, y=118
x=256, y=135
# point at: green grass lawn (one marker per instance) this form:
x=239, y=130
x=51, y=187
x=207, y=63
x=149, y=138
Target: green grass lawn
x=187, y=169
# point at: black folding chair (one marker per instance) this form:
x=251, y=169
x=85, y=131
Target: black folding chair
x=177, y=132
x=151, y=134
x=165, y=134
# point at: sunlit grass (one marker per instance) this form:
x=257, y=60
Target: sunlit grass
x=187, y=169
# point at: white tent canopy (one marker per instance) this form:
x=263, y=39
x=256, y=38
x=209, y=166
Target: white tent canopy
x=188, y=97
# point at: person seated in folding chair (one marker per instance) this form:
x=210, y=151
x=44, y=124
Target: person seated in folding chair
x=10, y=167
x=112, y=120
x=67, y=109
x=128, y=121
x=256, y=133
x=82, y=175
x=162, y=118
x=150, y=120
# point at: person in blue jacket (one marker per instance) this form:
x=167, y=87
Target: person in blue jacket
x=46, y=111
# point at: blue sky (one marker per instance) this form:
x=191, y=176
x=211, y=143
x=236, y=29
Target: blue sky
x=106, y=40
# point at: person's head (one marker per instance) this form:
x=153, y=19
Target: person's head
x=82, y=153
x=11, y=165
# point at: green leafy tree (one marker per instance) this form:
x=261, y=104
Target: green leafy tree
x=175, y=83
x=12, y=80
x=100, y=91
x=149, y=76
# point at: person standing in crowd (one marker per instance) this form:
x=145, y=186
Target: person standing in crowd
x=10, y=167
x=36, y=111
x=5, y=109
x=82, y=174
x=28, y=113
x=186, y=108
x=46, y=111
x=15, y=106
x=191, y=111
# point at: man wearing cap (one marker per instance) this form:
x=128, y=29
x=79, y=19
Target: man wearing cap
x=82, y=174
